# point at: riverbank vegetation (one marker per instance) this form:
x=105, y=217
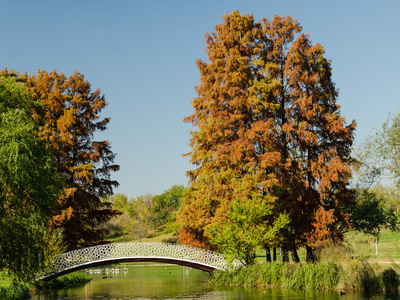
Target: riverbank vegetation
x=15, y=291
x=350, y=275
x=66, y=281
x=339, y=267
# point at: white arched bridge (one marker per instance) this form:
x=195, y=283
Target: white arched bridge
x=184, y=255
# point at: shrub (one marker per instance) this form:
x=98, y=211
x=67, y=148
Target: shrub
x=390, y=279
x=171, y=240
x=16, y=291
x=70, y=280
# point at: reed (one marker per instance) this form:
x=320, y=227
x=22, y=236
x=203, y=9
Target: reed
x=351, y=275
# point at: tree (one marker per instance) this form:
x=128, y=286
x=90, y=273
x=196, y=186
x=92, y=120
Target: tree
x=29, y=185
x=371, y=213
x=122, y=223
x=266, y=109
x=377, y=159
x=69, y=116
x=140, y=212
x=247, y=227
x=379, y=155
x=120, y=202
x=165, y=207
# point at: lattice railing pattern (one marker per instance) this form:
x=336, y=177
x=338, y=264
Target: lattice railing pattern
x=137, y=250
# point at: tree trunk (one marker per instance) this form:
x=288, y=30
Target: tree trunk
x=268, y=254
x=274, y=253
x=295, y=256
x=311, y=256
x=285, y=255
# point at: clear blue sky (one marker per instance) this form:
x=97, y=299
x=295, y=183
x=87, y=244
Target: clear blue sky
x=142, y=55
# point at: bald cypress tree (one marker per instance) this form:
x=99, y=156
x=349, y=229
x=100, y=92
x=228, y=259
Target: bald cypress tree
x=266, y=110
x=69, y=116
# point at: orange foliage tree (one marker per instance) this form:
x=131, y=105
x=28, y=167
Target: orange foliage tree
x=69, y=116
x=266, y=110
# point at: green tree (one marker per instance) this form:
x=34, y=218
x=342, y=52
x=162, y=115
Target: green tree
x=29, y=185
x=165, y=207
x=246, y=228
x=119, y=201
x=379, y=155
x=140, y=212
x=372, y=213
x=121, y=223
x=377, y=160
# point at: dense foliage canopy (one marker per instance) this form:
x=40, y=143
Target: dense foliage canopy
x=268, y=130
x=29, y=184
x=67, y=112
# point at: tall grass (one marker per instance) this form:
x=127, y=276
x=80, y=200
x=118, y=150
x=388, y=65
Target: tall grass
x=324, y=275
x=294, y=276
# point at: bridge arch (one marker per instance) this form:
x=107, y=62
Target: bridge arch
x=135, y=252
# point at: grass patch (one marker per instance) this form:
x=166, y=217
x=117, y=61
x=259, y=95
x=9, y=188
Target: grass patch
x=363, y=246
x=359, y=246
x=129, y=238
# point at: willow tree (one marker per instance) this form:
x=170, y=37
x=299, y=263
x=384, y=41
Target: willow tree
x=266, y=110
x=29, y=184
x=69, y=117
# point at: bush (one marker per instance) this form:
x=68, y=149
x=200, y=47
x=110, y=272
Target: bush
x=70, y=280
x=171, y=240
x=390, y=279
x=16, y=291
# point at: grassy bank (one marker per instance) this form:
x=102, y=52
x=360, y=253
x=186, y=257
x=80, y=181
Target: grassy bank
x=12, y=290
x=351, y=275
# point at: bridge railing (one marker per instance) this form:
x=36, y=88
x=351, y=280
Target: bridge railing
x=138, y=250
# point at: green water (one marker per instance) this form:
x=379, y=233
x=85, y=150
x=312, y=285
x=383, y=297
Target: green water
x=176, y=282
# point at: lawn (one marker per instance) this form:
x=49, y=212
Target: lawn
x=359, y=246
x=129, y=238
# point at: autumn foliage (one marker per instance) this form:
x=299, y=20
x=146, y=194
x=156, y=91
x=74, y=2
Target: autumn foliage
x=267, y=126
x=68, y=115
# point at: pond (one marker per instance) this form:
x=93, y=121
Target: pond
x=176, y=282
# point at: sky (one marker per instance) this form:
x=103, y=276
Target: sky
x=142, y=55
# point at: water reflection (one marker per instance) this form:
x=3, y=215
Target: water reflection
x=176, y=282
